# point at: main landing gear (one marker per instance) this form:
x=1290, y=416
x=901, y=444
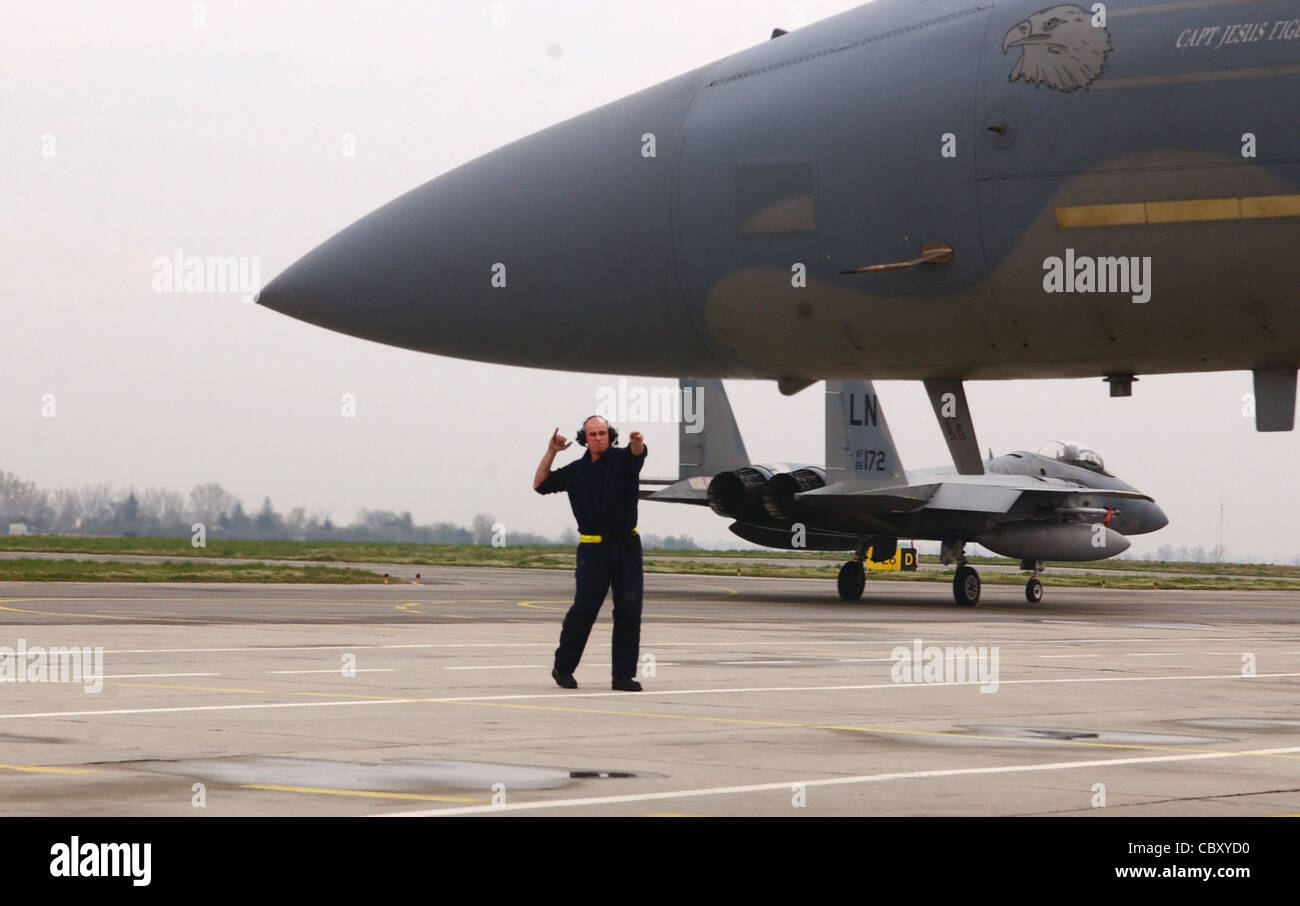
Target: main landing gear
x=966, y=584
x=853, y=575
x=1033, y=588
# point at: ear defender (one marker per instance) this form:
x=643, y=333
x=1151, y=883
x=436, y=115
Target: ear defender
x=581, y=436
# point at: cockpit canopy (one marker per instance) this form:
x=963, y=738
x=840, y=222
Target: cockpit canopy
x=1075, y=454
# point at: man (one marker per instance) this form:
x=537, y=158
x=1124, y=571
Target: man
x=602, y=489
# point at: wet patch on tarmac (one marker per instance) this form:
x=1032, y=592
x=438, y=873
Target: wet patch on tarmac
x=1243, y=723
x=992, y=735
x=1206, y=627
x=400, y=776
x=44, y=740
x=1117, y=737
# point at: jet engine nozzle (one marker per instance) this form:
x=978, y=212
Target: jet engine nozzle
x=778, y=495
x=739, y=494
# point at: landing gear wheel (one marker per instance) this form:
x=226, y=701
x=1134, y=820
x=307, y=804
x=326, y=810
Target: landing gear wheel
x=966, y=586
x=1033, y=591
x=851, y=581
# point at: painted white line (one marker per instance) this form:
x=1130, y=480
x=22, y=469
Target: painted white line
x=530, y=666
x=255, y=648
x=339, y=670
x=760, y=662
x=786, y=786
x=454, y=699
x=155, y=675
x=747, y=643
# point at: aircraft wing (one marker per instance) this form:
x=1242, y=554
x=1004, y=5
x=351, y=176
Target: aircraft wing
x=988, y=493
x=688, y=490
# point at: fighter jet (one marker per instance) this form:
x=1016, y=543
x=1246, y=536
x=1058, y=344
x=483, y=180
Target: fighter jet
x=1059, y=503
x=943, y=191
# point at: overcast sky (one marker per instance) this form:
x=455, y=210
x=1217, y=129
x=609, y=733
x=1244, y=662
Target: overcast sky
x=223, y=136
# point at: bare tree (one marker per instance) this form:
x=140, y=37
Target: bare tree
x=162, y=506
x=22, y=501
x=67, y=510
x=481, y=528
x=97, y=503
x=209, y=502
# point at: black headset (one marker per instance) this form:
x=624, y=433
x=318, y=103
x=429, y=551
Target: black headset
x=582, y=431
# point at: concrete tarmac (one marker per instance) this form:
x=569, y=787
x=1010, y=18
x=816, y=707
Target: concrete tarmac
x=763, y=697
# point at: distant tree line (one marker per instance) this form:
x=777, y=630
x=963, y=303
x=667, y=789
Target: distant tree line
x=1181, y=554
x=157, y=512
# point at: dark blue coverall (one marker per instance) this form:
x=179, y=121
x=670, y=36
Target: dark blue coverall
x=603, y=495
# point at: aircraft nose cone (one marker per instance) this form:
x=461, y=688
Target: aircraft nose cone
x=377, y=279
x=556, y=251
x=1157, y=519
x=1142, y=518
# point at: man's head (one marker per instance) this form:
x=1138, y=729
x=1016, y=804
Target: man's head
x=596, y=432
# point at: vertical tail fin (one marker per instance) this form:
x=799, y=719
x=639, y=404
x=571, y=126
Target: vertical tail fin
x=858, y=443
x=709, y=441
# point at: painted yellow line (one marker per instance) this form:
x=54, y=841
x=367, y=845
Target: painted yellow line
x=1086, y=215
x=884, y=731
x=1193, y=210
x=66, y=613
x=672, y=815
x=536, y=605
x=114, y=616
x=409, y=609
x=330, y=695
x=365, y=794
x=42, y=769
x=1174, y=7
x=826, y=782
x=1257, y=207
x=1270, y=206
x=672, y=616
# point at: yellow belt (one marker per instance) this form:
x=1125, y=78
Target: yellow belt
x=596, y=539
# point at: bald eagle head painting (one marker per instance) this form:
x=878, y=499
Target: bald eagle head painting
x=1059, y=48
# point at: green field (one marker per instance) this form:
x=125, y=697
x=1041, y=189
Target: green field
x=1119, y=572
x=35, y=570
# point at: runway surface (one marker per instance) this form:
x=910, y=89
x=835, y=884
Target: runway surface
x=763, y=697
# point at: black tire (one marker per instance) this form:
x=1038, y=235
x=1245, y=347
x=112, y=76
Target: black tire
x=1033, y=591
x=966, y=586
x=851, y=581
